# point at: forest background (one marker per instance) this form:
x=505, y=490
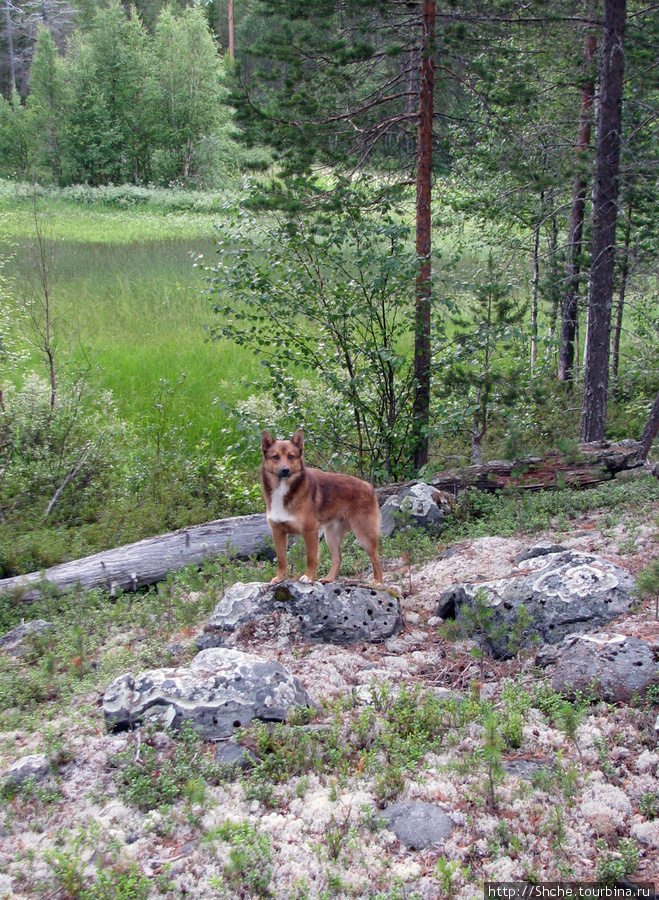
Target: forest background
x=424, y=230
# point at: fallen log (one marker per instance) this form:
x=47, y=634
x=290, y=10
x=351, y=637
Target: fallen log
x=592, y=465
x=148, y=561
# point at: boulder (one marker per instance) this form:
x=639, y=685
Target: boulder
x=611, y=667
x=220, y=691
x=232, y=755
x=13, y=641
x=420, y=505
x=544, y=599
x=36, y=766
x=418, y=824
x=330, y=613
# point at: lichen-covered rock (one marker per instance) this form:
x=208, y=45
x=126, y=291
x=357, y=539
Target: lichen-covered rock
x=330, y=613
x=419, y=504
x=220, y=691
x=544, y=599
x=540, y=549
x=612, y=667
x=36, y=766
x=418, y=824
x=13, y=641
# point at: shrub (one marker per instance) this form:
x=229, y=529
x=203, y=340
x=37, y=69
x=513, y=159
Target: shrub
x=60, y=450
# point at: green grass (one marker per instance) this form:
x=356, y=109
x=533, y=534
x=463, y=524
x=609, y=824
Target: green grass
x=125, y=288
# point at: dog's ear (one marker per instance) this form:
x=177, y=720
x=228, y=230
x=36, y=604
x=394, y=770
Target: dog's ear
x=298, y=439
x=267, y=441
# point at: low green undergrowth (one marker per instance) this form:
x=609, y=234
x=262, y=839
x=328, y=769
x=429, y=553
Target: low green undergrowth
x=150, y=779
x=517, y=512
x=94, y=637
x=249, y=868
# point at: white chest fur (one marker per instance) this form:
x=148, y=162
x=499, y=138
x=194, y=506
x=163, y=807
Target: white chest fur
x=277, y=513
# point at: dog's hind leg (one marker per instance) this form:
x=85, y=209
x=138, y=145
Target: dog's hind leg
x=368, y=536
x=335, y=531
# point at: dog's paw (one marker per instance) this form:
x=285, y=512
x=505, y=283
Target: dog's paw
x=277, y=580
x=305, y=579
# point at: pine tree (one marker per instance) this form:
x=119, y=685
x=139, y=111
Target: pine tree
x=605, y=208
x=481, y=369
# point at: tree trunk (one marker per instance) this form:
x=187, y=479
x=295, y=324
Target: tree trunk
x=651, y=429
x=553, y=284
x=146, y=562
x=10, y=52
x=534, y=291
x=231, y=41
x=422, y=360
x=605, y=207
x=615, y=356
x=579, y=191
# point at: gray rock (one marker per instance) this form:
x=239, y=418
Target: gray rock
x=220, y=691
x=210, y=640
x=417, y=824
x=331, y=613
x=419, y=504
x=561, y=593
x=36, y=766
x=13, y=641
x=538, y=550
x=612, y=667
x=230, y=754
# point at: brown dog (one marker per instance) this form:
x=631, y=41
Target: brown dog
x=299, y=500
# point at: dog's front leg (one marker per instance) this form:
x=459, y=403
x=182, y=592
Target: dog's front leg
x=281, y=541
x=310, y=535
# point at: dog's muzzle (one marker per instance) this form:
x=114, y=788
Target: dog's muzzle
x=284, y=472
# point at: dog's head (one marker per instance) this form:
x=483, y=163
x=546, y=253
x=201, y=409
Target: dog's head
x=283, y=458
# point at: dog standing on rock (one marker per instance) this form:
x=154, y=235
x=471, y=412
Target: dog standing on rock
x=299, y=500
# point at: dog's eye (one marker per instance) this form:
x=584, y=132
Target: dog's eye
x=276, y=457
x=291, y=457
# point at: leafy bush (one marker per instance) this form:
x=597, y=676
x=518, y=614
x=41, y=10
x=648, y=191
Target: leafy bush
x=60, y=451
x=153, y=778
x=329, y=295
x=612, y=867
x=249, y=868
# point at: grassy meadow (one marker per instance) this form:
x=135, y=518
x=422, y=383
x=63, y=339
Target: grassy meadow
x=126, y=292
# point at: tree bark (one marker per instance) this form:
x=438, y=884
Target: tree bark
x=624, y=271
x=10, y=52
x=579, y=191
x=231, y=41
x=146, y=562
x=534, y=289
x=651, y=429
x=605, y=207
x=422, y=359
x=553, y=291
